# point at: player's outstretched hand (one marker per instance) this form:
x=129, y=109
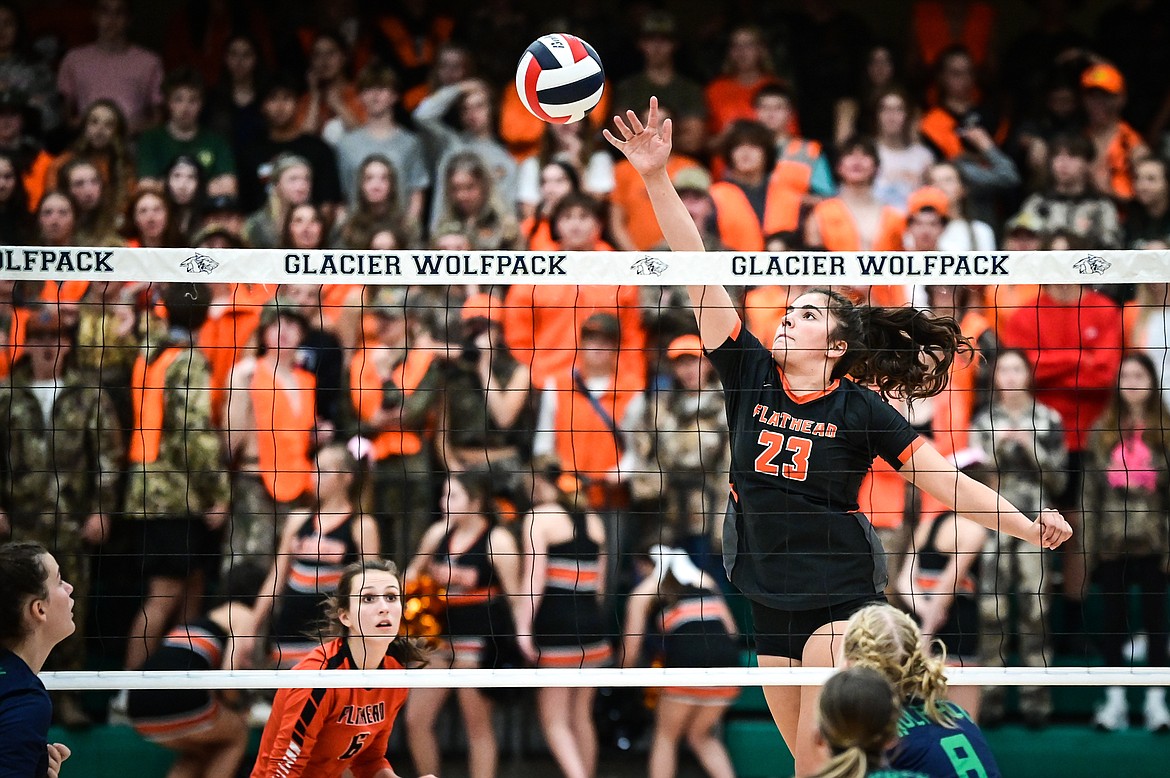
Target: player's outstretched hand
x=647, y=147
x=1054, y=528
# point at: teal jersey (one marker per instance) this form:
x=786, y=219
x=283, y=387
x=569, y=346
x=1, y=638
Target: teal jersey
x=960, y=751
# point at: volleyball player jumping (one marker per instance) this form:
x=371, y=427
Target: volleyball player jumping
x=803, y=435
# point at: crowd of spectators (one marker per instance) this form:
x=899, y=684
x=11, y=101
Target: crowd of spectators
x=396, y=126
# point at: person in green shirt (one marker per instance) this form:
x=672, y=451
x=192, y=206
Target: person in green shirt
x=182, y=135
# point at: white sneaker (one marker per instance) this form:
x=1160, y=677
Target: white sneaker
x=1137, y=649
x=259, y=712
x=1112, y=715
x=119, y=705
x=1157, y=716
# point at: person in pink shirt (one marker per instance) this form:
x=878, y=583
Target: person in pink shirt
x=111, y=67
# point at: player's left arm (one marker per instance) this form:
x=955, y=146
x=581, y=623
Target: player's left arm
x=931, y=472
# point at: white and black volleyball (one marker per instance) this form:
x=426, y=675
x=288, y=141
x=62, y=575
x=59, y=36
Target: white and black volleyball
x=560, y=78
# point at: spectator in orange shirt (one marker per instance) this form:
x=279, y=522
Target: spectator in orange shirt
x=957, y=106
x=272, y=430
x=631, y=217
x=1119, y=146
x=754, y=198
x=747, y=68
x=855, y=220
x=331, y=94
x=232, y=320
x=32, y=160
x=801, y=165
x=587, y=417
x=394, y=383
x=939, y=24
x=541, y=324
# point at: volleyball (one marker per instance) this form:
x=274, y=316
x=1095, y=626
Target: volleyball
x=560, y=78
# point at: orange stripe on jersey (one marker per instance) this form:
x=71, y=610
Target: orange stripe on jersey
x=908, y=452
x=596, y=655
x=470, y=596
x=692, y=610
x=304, y=578
x=197, y=640
x=185, y=724
x=705, y=693
x=573, y=576
x=927, y=582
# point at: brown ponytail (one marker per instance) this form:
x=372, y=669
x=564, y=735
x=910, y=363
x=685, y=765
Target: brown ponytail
x=904, y=352
x=857, y=715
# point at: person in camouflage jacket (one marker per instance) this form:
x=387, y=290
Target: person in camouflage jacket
x=177, y=485
x=63, y=461
x=685, y=441
x=1025, y=447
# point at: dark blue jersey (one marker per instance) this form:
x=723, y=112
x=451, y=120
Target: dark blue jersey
x=960, y=751
x=25, y=715
x=794, y=538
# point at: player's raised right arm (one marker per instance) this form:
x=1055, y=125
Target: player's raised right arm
x=647, y=147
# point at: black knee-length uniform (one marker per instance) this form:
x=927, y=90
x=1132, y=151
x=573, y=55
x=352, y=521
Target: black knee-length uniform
x=317, y=564
x=569, y=629
x=164, y=714
x=794, y=538
x=960, y=632
x=476, y=614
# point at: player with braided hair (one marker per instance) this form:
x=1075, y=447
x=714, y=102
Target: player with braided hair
x=857, y=717
x=935, y=736
x=805, y=430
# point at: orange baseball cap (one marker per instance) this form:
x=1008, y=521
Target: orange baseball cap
x=928, y=197
x=1105, y=77
x=685, y=346
x=483, y=306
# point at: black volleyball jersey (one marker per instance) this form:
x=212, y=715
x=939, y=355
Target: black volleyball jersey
x=794, y=538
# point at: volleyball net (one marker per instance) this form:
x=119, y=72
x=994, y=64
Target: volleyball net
x=218, y=464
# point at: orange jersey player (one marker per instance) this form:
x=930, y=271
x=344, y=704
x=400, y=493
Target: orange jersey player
x=323, y=733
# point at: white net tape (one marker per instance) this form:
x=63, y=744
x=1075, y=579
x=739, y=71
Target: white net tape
x=274, y=266
x=649, y=677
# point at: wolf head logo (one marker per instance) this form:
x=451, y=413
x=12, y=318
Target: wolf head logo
x=199, y=263
x=649, y=266
x=1092, y=265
